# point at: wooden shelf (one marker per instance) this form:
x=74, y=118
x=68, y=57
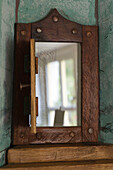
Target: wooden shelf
x=62, y=166
x=60, y=157
x=59, y=153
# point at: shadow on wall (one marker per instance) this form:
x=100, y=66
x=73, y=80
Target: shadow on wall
x=2, y=158
x=6, y=83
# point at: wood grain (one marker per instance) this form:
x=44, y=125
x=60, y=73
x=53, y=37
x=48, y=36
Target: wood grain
x=33, y=91
x=60, y=31
x=36, y=106
x=45, y=135
x=60, y=153
x=36, y=65
x=22, y=48
x=61, y=166
x=96, y=11
x=90, y=84
x=17, y=5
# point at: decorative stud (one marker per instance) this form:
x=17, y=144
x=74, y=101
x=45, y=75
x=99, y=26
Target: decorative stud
x=39, y=30
x=74, y=31
x=90, y=130
x=23, y=33
x=72, y=134
x=55, y=19
x=38, y=136
x=89, y=34
x=21, y=135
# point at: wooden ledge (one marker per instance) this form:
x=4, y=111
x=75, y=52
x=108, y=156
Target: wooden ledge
x=59, y=153
x=98, y=165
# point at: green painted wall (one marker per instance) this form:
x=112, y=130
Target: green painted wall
x=106, y=69
x=82, y=11
x=2, y=158
x=7, y=19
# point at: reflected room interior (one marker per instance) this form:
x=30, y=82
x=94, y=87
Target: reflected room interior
x=58, y=84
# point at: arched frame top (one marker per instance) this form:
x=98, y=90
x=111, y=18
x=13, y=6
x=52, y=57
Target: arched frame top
x=55, y=28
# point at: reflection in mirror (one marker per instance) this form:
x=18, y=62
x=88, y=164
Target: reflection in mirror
x=58, y=84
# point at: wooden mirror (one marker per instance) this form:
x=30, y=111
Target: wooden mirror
x=57, y=84
x=62, y=112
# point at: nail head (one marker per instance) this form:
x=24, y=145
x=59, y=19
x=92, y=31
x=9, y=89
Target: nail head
x=21, y=135
x=38, y=136
x=55, y=19
x=23, y=33
x=90, y=130
x=72, y=134
x=89, y=34
x=74, y=31
x=39, y=30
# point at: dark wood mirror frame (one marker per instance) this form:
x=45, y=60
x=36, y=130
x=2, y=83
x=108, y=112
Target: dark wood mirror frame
x=55, y=28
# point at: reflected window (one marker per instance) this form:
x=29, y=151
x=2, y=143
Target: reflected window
x=58, y=83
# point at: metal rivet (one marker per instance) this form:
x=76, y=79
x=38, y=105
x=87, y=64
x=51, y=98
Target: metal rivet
x=38, y=136
x=72, y=134
x=55, y=19
x=89, y=34
x=90, y=130
x=39, y=30
x=74, y=31
x=23, y=33
x=21, y=135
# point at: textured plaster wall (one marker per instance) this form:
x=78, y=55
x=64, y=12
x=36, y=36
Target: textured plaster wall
x=2, y=158
x=106, y=69
x=7, y=19
x=82, y=11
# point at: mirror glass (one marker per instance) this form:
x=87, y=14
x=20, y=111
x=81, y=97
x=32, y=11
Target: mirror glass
x=58, y=84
